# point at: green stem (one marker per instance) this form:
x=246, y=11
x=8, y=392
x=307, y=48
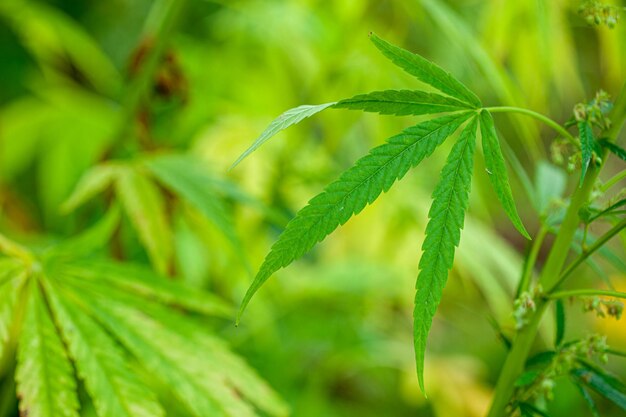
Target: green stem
x=593, y=248
x=549, y=122
x=585, y=292
x=550, y=275
x=531, y=260
x=614, y=180
x=514, y=363
x=157, y=30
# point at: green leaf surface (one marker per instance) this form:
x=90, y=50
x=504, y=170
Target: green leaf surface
x=282, y=122
x=141, y=324
x=114, y=389
x=588, y=399
x=190, y=180
x=494, y=161
x=177, y=362
x=355, y=188
x=587, y=145
x=10, y=289
x=45, y=377
x=143, y=282
x=95, y=238
x=402, y=103
x=145, y=207
x=92, y=183
x=614, y=149
x=443, y=233
x=559, y=312
x=603, y=383
x=426, y=71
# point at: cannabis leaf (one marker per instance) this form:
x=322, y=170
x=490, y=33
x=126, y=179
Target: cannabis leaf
x=79, y=313
x=282, y=122
x=146, y=209
x=139, y=186
x=426, y=71
x=357, y=187
x=443, y=232
x=586, y=145
x=376, y=172
x=44, y=375
x=402, y=103
x=614, y=149
x=496, y=168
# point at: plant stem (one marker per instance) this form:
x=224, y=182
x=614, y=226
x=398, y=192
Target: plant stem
x=514, y=363
x=583, y=256
x=586, y=292
x=157, y=30
x=549, y=122
x=529, y=265
x=614, y=180
x=550, y=275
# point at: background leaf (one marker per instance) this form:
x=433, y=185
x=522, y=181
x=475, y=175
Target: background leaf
x=145, y=207
x=112, y=386
x=45, y=377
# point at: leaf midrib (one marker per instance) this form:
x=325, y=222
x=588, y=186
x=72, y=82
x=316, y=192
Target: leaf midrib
x=447, y=209
x=367, y=179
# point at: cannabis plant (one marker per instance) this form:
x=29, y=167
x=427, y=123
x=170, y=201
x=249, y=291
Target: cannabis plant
x=460, y=116
x=85, y=328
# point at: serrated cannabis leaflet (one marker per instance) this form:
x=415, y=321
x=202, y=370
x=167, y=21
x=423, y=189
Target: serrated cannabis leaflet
x=378, y=171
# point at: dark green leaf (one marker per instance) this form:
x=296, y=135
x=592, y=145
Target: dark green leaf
x=603, y=383
x=587, y=147
x=443, y=233
x=402, y=103
x=614, y=149
x=355, y=188
x=527, y=378
x=426, y=71
x=559, y=312
x=530, y=410
x=587, y=397
x=494, y=161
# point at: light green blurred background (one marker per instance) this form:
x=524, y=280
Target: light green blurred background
x=333, y=332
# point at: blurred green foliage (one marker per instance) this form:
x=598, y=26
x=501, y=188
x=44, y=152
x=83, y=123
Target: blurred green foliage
x=333, y=333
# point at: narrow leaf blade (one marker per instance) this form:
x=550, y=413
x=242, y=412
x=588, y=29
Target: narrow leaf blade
x=614, y=149
x=45, y=377
x=93, y=182
x=494, y=161
x=282, y=122
x=355, y=188
x=402, y=103
x=113, y=388
x=145, y=207
x=426, y=71
x=604, y=384
x=586, y=145
x=190, y=180
x=443, y=233
x=559, y=312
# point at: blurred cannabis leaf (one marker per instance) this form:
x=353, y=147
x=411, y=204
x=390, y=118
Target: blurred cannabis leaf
x=377, y=172
x=73, y=315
